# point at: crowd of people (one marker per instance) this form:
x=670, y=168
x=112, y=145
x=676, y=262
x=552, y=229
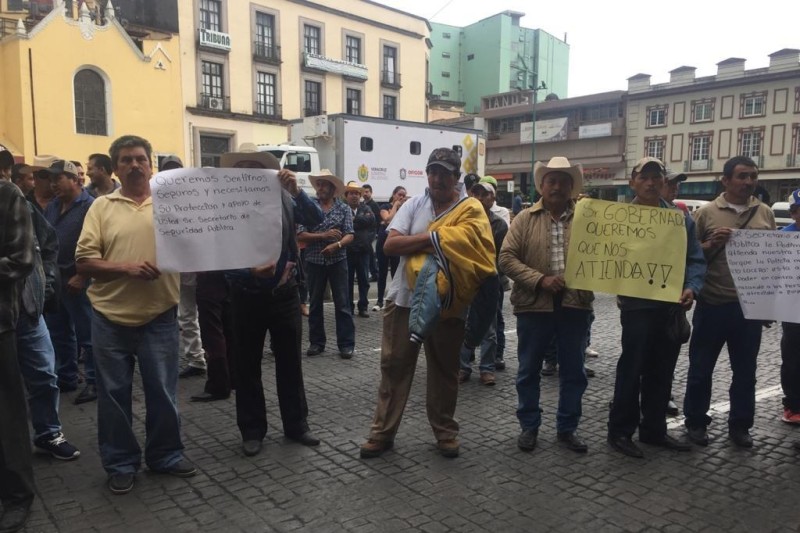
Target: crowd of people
x=80, y=284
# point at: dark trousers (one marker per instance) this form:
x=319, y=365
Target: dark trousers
x=713, y=327
x=216, y=332
x=358, y=269
x=255, y=313
x=501, y=327
x=385, y=264
x=373, y=262
x=16, y=472
x=644, y=370
x=790, y=366
x=318, y=277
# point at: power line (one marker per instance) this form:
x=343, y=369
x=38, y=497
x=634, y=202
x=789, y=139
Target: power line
x=441, y=9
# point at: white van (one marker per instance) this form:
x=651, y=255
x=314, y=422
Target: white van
x=781, y=212
x=691, y=205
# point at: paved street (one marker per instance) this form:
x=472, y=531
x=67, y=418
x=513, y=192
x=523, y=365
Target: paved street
x=492, y=487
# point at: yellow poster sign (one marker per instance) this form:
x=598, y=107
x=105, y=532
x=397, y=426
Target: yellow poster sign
x=627, y=249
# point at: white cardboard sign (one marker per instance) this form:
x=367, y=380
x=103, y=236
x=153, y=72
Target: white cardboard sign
x=216, y=219
x=765, y=266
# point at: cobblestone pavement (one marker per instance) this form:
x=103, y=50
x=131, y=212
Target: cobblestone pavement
x=492, y=487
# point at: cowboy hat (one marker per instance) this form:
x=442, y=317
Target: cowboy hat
x=353, y=186
x=41, y=162
x=249, y=152
x=327, y=175
x=558, y=164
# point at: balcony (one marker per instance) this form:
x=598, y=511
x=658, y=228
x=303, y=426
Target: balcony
x=266, y=53
x=390, y=79
x=221, y=104
x=312, y=112
x=267, y=110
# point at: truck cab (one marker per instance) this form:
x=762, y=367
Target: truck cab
x=302, y=160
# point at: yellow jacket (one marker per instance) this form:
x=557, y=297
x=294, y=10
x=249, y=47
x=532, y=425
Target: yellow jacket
x=464, y=250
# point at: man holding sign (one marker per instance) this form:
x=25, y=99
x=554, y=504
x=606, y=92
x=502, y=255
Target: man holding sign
x=534, y=255
x=649, y=354
x=719, y=319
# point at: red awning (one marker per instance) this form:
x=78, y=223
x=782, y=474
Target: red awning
x=503, y=177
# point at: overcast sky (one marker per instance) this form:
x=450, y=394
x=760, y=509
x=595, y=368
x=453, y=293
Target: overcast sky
x=613, y=40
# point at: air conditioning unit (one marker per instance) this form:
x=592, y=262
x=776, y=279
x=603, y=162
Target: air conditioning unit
x=215, y=103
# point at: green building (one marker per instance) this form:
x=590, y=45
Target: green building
x=492, y=56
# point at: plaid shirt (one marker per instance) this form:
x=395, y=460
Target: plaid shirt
x=339, y=217
x=557, y=255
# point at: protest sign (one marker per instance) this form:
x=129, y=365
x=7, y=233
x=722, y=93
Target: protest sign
x=216, y=219
x=765, y=266
x=627, y=249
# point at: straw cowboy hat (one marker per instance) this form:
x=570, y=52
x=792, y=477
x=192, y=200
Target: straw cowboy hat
x=327, y=175
x=558, y=164
x=40, y=162
x=353, y=186
x=249, y=152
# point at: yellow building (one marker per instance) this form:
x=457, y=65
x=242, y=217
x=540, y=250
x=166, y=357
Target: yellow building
x=70, y=86
x=250, y=67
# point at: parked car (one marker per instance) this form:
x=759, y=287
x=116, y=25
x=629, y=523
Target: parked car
x=781, y=212
x=691, y=205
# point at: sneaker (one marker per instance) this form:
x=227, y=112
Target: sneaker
x=499, y=364
x=549, y=369
x=448, y=448
x=182, y=468
x=591, y=353
x=487, y=378
x=375, y=448
x=590, y=373
x=56, y=445
x=672, y=408
x=191, y=371
x=363, y=313
x=463, y=376
x=378, y=306
x=88, y=394
x=120, y=483
x=790, y=417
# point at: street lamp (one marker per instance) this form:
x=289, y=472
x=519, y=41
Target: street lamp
x=535, y=90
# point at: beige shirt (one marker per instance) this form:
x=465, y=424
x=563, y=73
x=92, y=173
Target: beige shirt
x=119, y=230
x=719, y=288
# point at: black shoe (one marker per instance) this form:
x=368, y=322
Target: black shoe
x=306, y=439
x=208, y=397
x=251, y=447
x=363, y=313
x=14, y=518
x=625, y=446
x=63, y=386
x=182, y=468
x=741, y=438
x=697, y=435
x=88, y=394
x=549, y=369
x=346, y=353
x=499, y=364
x=571, y=441
x=120, y=483
x=527, y=440
x=191, y=371
x=672, y=408
x=667, y=441
x=589, y=372
x=314, y=349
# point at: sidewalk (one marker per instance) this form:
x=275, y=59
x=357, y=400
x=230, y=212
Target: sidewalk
x=492, y=487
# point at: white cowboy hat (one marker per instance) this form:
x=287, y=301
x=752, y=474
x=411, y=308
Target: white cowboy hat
x=249, y=152
x=327, y=175
x=558, y=164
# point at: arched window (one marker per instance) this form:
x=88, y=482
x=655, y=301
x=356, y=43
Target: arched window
x=90, y=103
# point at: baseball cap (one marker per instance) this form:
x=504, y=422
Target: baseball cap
x=446, y=158
x=489, y=179
x=481, y=187
x=170, y=162
x=794, y=199
x=675, y=176
x=643, y=162
x=61, y=166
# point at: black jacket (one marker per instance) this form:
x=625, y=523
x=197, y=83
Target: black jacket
x=364, y=227
x=16, y=251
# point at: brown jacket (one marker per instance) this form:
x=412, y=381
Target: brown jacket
x=719, y=288
x=525, y=258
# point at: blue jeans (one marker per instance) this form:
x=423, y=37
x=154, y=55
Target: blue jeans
x=70, y=330
x=318, y=276
x=37, y=363
x=358, y=269
x=534, y=332
x=714, y=326
x=488, y=349
x=117, y=348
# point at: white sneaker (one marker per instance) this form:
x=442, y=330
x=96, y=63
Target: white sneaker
x=591, y=353
x=377, y=307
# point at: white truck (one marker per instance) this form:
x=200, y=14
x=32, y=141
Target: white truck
x=383, y=153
